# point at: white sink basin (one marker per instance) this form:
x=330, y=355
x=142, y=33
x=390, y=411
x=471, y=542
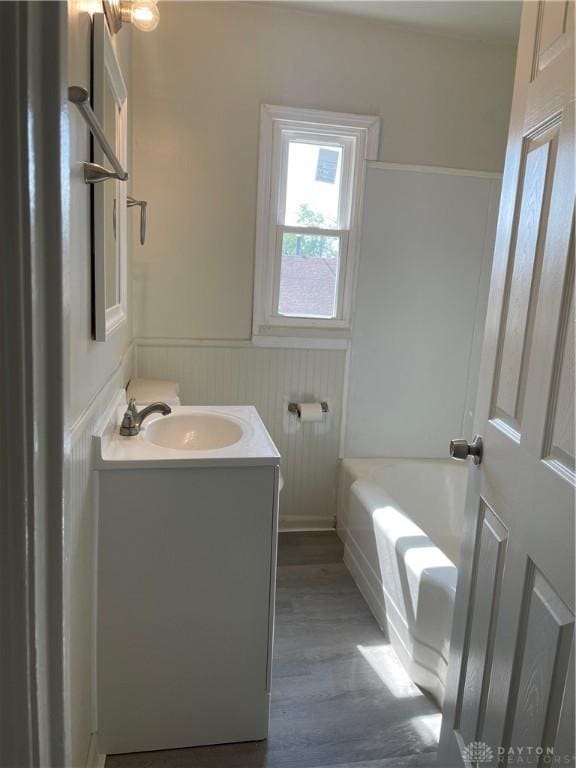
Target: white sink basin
x=191, y=436
x=194, y=431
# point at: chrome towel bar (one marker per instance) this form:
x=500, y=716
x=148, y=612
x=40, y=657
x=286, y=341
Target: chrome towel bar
x=93, y=172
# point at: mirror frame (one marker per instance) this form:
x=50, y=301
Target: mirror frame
x=106, y=71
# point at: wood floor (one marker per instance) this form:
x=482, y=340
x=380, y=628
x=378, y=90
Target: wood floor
x=340, y=697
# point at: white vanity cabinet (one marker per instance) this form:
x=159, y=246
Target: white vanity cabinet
x=185, y=603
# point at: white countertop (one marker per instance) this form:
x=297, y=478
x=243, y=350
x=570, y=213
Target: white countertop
x=255, y=447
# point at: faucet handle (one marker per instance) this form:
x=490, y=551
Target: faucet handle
x=132, y=420
x=129, y=425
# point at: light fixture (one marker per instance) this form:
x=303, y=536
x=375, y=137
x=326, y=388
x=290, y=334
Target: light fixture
x=144, y=14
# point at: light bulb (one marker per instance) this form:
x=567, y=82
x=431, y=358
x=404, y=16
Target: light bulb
x=145, y=15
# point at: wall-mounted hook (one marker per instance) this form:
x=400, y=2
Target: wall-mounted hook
x=131, y=202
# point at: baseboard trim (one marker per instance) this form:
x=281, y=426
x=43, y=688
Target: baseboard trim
x=342, y=534
x=306, y=523
x=95, y=758
x=304, y=530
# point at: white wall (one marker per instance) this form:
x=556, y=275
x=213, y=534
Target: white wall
x=201, y=77
x=94, y=370
x=421, y=301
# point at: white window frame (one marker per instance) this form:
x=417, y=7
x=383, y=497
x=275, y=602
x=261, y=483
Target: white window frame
x=358, y=135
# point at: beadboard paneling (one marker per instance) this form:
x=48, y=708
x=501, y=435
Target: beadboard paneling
x=80, y=566
x=269, y=379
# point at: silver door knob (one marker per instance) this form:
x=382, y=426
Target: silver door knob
x=461, y=449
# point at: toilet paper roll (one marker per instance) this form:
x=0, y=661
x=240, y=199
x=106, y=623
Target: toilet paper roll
x=310, y=412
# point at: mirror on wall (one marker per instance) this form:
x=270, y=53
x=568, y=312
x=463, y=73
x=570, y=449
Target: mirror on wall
x=109, y=196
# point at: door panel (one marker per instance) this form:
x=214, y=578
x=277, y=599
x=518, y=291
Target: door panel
x=559, y=436
x=524, y=278
x=551, y=37
x=545, y=636
x=485, y=588
x=510, y=680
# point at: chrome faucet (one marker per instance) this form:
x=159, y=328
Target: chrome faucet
x=132, y=419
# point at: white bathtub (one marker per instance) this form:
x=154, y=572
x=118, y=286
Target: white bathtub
x=401, y=522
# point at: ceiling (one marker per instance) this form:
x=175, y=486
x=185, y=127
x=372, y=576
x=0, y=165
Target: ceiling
x=491, y=20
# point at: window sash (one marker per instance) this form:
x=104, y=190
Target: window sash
x=343, y=237
x=346, y=143
x=278, y=228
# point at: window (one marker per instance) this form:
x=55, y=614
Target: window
x=310, y=179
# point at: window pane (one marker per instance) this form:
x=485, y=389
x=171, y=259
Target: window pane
x=313, y=185
x=309, y=275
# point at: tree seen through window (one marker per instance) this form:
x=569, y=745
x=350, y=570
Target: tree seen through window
x=310, y=246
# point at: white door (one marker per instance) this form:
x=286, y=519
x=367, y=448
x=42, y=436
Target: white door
x=510, y=684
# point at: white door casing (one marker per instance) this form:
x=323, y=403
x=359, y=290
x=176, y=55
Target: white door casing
x=511, y=679
x=34, y=714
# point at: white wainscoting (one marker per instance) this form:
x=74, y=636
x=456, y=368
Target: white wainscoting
x=80, y=584
x=269, y=379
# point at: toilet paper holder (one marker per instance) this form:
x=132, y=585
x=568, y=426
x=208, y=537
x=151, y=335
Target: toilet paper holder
x=295, y=408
